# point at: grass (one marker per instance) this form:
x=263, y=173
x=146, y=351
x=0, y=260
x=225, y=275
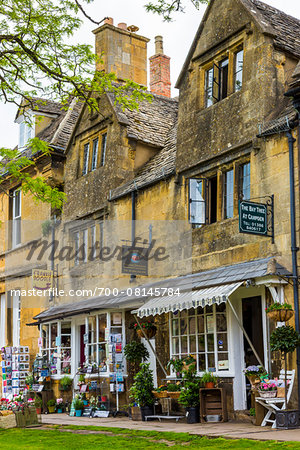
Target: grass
x=80, y=437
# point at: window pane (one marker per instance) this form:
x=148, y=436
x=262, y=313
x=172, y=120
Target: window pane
x=209, y=86
x=245, y=181
x=95, y=154
x=86, y=152
x=228, y=194
x=175, y=346
x=221, y=307
x=102, y=326
x=183, y=326
x=103, y=148
x=238, y=70
x=184, y=346
x=222, y=342
x=211, y=361
x=223, y=79
x=196, y=201
x=53, y=335
x=192, y=344
x=175, y=327
x=201, y=324
x=223, y=361
x=202, y=365
x=210, y=342
x=192, y=325
x=221, y=322
x=201, y=343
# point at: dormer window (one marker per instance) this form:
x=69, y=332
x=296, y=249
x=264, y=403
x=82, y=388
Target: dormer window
x=26, y=132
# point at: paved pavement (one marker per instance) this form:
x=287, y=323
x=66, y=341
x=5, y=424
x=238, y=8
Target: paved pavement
x=227, y=429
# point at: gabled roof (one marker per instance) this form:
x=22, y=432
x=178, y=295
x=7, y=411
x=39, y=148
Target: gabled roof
x=283, y=28
x=152, y=122
x=161, y=166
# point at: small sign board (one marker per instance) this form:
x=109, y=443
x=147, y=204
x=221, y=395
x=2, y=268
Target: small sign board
x=87, y=412
x=253, y=218
x=134, y=260
x=42, y=279
x=100, y=413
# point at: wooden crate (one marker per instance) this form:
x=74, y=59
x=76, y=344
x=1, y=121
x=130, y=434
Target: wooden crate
x=213, y=402
x=8, y=421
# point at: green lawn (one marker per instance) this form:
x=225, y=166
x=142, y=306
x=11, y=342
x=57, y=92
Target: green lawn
x=118, y=438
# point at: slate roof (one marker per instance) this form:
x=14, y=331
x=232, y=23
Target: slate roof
x=283, y=28
x=157, y=168
x=215, y=277
x=280, y=120
x=152, y=122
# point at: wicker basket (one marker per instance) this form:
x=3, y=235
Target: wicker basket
x=149, y=332
x=280, y=392
x=162, y=394
x=281, y=315
x=8, y=421
x=267, y=394
x=175, y=394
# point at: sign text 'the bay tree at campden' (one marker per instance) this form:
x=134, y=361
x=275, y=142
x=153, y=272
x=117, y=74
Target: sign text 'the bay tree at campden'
x=253, y=218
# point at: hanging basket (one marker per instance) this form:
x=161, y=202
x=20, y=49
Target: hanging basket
x=281, y=315
x=174, y=394
x=149, y=332
x=162, y=394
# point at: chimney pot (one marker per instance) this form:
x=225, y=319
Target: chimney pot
x=122, y=25
x=109, y=20
x=159, y=49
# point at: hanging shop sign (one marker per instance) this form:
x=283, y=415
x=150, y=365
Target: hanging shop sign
x=42, y=279
x=257, y=218
x=134, y=260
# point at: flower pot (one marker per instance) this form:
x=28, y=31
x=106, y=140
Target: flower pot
x=103, y=398
x=59, y=411
x=209, y=385
x=281, y=315
x=135, y=413
x=267, y=394
x=146, y=411
x=85, y=402
x=78, y=412
x=192, y=414
x=173, y=394
x=38, y=410
x=51, y=409
x=149, y=332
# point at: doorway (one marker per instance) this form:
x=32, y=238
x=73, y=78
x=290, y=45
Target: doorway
x=252, y=322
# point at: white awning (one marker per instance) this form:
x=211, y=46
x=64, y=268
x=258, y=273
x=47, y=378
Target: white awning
x=188, y=300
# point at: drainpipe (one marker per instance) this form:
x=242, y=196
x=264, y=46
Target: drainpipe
x=294, y=93
x=294, y=249
x=133, y=202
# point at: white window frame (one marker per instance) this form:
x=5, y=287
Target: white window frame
x=56, y=349
x=16, y=219
x=218, y=372
x=26, y=132
x=95, y=147
x=86, y=157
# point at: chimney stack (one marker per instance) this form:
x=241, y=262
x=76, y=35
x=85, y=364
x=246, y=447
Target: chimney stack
x=160, y=70
x=122, y=51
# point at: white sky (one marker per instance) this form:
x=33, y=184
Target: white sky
x=178, y=36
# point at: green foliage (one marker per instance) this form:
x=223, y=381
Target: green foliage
x=208, y=377
x=46, y=227
x=29, y=379
x=166, y=9
x=51, y=402
x=141, y=390
x=278, y=306
x=66, y=382
x=78, y=404
x=286, y=339
x=173, y=387
x=176, y=364
x=136, y=352
x=37, y=402
x=252, y=412
x=189, y=395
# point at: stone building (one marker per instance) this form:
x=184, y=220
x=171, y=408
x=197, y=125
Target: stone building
x=173, y=173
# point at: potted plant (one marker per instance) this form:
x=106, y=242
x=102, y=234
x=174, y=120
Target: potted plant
x=65, y=383
x=29, y=380
x=136, y=352
x=84, y=399
x=254, y=374
x=161, y=391
x=78, y=406
x=59, y=405
x=51, y=406
x=38, y=404
x=267, y=389
x=286, y=340
x=188, y=361
x=189, y=394
x=209, y=380
x=147, y=327
x=173, y=390
x=141, y=390
x=175, y=364
x=280, y=312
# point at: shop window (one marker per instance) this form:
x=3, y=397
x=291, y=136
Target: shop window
x=97, y=345
x=56, y=341
x=202, y=333
x=238, y=74
x=244, y=181
x=228, y=194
